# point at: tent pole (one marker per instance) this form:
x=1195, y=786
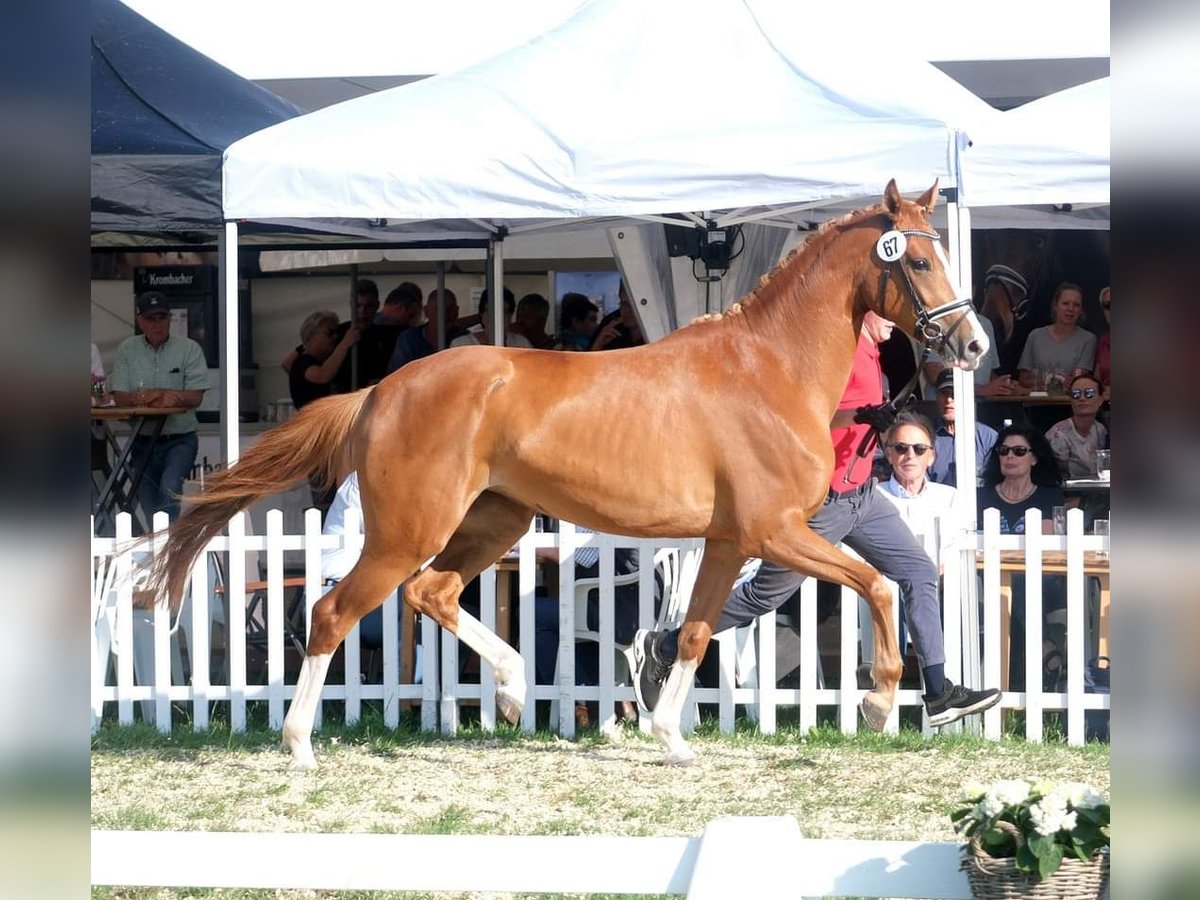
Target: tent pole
x=230, y=363
x=354, y=385
x=496, y=288
x=441, y=306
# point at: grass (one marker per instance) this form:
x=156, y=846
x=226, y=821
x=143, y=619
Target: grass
x=378, y=780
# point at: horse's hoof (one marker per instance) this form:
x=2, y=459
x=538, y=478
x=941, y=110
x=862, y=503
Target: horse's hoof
x=875, y=711
x=683, y=757
x=303, y=761
x=510, y=706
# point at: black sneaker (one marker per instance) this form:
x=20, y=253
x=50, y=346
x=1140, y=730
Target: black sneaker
x=649, y=674
x=956, y=701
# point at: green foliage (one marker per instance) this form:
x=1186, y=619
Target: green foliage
x=1037, y=824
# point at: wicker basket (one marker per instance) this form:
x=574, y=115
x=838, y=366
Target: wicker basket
x=999, y=879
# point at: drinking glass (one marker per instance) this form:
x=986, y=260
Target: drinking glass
x=1060, y=520
x=1102, y=464
x=1100, y=529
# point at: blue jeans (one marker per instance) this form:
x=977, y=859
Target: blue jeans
x=164, y=471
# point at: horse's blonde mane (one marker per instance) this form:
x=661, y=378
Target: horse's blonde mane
x=811, y=244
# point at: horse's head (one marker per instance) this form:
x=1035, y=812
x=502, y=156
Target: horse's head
x=916, y=288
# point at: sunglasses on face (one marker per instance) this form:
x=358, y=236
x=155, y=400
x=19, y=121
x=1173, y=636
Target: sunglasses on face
x=1006, y=449
x=901, y=448
x=1083, y=393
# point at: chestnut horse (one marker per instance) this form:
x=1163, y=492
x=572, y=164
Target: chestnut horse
x=720, y=430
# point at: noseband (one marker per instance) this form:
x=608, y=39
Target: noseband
x=890, y=248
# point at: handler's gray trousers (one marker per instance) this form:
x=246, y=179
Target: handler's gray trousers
x=872, y=526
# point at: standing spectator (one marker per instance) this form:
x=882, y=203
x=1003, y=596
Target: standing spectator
x=1103, y=363
x=619, y=328
x=156, y=368
x=313, y=372
x=419, y=342
x=943, y=468
x=580, y=316
x=400, y=311
x=530, y=321
x=484, y=336
x=852, y=512
x=1006, y=305
x=1061, y=348
x=370, y=368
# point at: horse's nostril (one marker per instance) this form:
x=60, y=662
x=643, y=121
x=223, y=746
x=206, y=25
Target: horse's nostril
x=975, y=347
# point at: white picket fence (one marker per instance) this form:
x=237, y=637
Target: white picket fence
x=142, y=639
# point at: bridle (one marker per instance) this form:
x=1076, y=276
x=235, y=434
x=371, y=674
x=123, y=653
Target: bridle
x=890, y=248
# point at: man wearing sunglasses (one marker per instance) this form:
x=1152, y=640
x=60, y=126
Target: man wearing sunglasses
x=856, y=513
x=1076, y=440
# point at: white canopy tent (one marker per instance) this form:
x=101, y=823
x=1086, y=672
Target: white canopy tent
x=729, y=112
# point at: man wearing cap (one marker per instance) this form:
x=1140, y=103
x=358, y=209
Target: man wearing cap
x=943, y=469
x=158, y=369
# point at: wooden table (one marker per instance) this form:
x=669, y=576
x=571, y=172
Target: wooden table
x=1053, y=563
x=120, y=476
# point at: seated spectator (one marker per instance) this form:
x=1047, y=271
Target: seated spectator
x=420, y=341
x=530, y=321
x=1076, y=440
x=910, y=449
x=1103, y=363
x=943, y=468
x=580, y=316
x=1022, y=474
x=484, y=335
x=1061, y=349
x=619, y=328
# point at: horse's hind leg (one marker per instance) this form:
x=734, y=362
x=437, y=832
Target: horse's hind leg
x=365, y=587
x=492, y=525
x=801, y=549
x=718, y=569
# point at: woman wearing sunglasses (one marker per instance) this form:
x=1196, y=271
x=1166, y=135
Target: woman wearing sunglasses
x=1076, y=440
x=1022, y=473
x=909, y=448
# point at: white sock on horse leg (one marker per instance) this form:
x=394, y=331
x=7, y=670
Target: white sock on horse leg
x=298, y=724
x=669, y=711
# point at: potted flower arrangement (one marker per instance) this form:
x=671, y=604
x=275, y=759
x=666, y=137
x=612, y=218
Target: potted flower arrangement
x=1031, y=839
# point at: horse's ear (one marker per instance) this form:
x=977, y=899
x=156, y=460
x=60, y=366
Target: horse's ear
x=928, y=200
x=891, y=198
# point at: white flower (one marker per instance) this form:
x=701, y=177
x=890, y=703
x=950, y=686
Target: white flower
x=1050, y=816
x=972, y=790
x=1080, y=795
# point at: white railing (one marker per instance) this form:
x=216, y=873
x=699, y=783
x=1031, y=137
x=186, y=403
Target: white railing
x=147, y=665
x=697, y=867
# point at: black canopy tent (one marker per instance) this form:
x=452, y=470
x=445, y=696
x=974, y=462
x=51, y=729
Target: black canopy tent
x=162, y=114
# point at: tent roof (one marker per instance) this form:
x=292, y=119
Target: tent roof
x=1054, y=150
x=626, y=109
x=162, y=114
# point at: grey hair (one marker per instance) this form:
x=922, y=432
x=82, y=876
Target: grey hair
x=913, y=418
x=316, y=323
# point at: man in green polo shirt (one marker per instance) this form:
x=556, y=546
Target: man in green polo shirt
x=158, y=369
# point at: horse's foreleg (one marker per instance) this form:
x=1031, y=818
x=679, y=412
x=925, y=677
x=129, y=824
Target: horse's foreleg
x=718, y=569
x=801, y=549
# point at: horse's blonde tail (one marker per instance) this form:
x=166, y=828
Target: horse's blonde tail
x=314, y=444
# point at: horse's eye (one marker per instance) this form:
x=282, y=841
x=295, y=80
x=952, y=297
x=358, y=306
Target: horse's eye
x=921, y=264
